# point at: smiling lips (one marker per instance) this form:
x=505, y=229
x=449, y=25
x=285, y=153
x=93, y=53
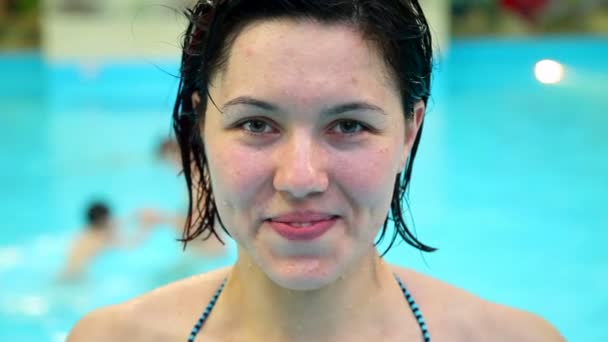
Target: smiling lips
x=302, y=226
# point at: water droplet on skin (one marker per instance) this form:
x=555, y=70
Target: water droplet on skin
x=227, y=204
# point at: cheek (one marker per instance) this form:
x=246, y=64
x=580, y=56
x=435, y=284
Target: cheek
x=237, y=174
x=368, y=176
x=367, y=180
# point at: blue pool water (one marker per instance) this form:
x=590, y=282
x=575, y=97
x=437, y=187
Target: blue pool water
x=510, y=183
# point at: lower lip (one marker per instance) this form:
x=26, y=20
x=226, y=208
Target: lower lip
x=306, y=233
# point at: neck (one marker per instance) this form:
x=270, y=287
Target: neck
x=266, y=309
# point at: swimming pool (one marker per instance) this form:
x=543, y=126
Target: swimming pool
x=509, y=182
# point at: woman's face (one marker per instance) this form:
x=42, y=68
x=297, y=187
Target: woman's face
x=304, y=153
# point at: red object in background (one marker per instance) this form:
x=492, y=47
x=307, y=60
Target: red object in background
x=529, y=9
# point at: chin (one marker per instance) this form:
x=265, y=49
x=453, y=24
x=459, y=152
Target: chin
x=303, y=274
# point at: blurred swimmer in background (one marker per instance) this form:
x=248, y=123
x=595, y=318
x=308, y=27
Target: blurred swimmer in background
x=98, y=235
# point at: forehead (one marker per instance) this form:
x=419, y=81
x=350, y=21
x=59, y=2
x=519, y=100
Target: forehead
x=304, y=58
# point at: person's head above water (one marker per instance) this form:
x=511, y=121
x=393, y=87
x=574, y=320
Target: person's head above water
x=303, y=114
x=98, y=215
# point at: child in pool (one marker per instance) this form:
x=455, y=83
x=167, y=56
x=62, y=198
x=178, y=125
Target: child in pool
x=99, y=234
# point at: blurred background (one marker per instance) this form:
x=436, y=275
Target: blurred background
x=509, y=184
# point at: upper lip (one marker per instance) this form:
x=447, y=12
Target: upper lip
x=302, y=217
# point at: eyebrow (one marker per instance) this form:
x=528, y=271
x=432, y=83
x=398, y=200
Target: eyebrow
x=336, y=110
x=250, y=101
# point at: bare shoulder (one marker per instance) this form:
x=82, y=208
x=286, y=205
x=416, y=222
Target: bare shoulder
x=146, y=317
x=511, y=324
x=451, y=311
x=104, y=324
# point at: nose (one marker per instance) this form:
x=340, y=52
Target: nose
x=300, y=170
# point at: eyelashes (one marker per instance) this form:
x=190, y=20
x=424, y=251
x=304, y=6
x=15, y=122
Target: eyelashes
x=351, y=127
x=343, y=127
x=257, y=127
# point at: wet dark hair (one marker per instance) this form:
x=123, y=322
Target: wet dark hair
x=397, y=27
x=97, y=214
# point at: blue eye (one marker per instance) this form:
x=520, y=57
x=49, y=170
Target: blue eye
x=257, y=126
x=348, y=127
